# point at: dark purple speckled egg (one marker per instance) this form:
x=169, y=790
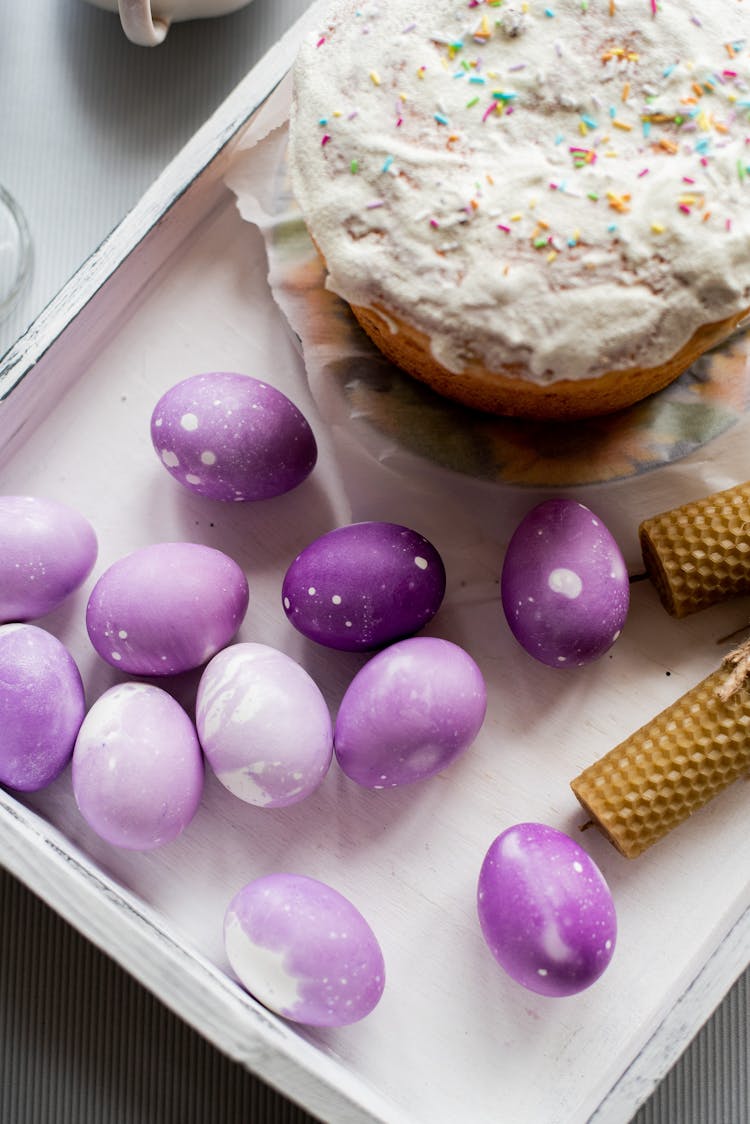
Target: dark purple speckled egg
x=564, y=587
x=364, y=585
x=229, y=436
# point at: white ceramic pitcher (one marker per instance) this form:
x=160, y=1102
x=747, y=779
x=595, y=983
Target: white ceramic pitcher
x=146, y=22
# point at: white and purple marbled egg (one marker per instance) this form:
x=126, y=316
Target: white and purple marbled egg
x=228, y=436
x=47, y=550
x=303, y=950
x=409, y=712
x=166, y=608
x=564, y=587
x=364, y=585
x=545, y=910
x=41, y=706
x=137, y=767
x=264, y=725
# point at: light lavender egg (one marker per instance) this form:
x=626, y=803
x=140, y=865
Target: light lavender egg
x=564, y=587
x=228, y=436
x=303, y=950
x=137, y=767
x=409, y=712
x=364, y=585
x=545, y=910
x=47, y=550
x=264, y=725
x=41, y=706
x=166, y=608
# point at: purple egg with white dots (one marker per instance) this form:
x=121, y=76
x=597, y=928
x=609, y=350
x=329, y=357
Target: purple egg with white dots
x=137, y=767
x=41, y=706
x=47, y=550
x=565, y=589
x=409, y=713
x=232, y=437
x=264, y=725
x=364, y=585
x=545, y=910
x=304, y=950
x=166, y=608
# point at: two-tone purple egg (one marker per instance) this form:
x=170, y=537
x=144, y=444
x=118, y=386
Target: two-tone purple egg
x=304, y=950
x=264, y=725
x=545, y=910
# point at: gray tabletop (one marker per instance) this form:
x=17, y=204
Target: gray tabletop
x=87, y=121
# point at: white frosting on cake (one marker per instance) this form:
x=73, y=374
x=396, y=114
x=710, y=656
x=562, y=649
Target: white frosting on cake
x=561, y=186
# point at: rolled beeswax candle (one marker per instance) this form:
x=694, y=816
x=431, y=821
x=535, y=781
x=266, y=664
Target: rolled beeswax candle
x=699, y=553
x=672, y=766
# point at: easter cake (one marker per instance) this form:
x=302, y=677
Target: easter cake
x=539, y=210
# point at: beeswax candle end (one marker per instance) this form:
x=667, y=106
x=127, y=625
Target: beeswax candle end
x=593, y=820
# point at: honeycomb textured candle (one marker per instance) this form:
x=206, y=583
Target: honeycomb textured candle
x=699, y=554
x=669, y=768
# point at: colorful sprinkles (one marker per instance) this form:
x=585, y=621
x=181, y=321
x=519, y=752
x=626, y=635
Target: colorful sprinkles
x=683, y=110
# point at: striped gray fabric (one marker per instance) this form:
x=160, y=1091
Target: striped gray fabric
x=711, y=1082
x=82, y=1043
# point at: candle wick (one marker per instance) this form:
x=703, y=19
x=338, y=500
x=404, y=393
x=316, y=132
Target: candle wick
x=731, y=635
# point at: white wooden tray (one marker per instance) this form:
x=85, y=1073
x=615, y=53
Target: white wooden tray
x=180, y=287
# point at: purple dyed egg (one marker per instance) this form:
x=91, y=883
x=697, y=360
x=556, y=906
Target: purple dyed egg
x=264, y=726
x=564, y=587
x=231, y=437
x=47, y=550
x=166, y=608
x=364, y=585
x=137, y=767
x=41, y=706
x=409, y=712
x=545, y=910
x=303, y=950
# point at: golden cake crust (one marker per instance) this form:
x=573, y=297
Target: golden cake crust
x=509, y=393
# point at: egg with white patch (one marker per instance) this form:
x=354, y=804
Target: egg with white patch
x=409, y=713
x=41, y=706
x=232, y=437
x=264, y=725
x=304, y=950
x=364, y=585
x=565, y=589
x=47, y=550
x=545, y=910
x=137, y=767
x=166, y=608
